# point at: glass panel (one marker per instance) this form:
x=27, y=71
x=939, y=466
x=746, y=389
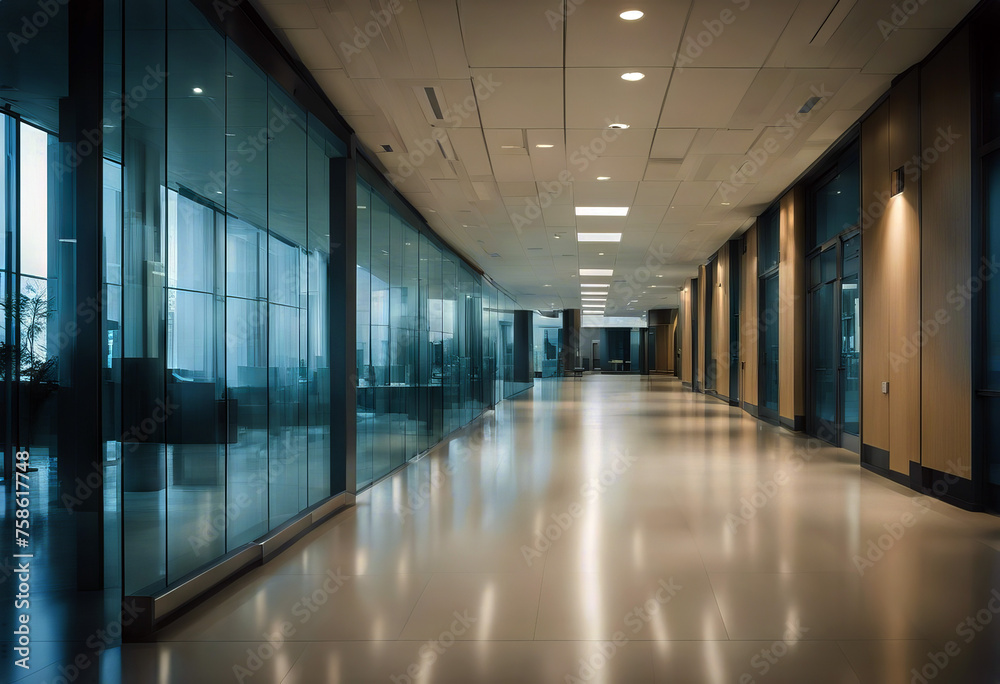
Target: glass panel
x=287, y=265
x=838, y=202
x=769, y=233
x=823, y=360
x=318, y=339
x=365, y=371
x=991, y=362
x=380, y=309
x=769, y=343
x=144, y=145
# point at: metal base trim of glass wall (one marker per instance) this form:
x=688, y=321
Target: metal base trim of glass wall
x=142, y=615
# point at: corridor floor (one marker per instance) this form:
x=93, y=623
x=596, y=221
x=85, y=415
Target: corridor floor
x=614, y=529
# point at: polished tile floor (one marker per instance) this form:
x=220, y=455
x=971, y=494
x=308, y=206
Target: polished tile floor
x=614, y=529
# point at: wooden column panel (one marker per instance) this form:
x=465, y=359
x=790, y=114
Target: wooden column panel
x=749, y=333
x=792, y=310
x=875, y=291
x=945, y=264
x=902, y=252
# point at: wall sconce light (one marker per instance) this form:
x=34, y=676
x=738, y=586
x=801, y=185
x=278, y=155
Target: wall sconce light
x=896, y=182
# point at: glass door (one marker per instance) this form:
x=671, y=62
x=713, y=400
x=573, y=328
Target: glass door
x=823, y=357
x=850, y=344
x=834, y=324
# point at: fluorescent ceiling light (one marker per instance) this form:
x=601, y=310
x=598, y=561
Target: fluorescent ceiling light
x=633, y=76
x=607, y=272
x=599, y=237
x=593, y=300
x=544, y=147
x=602, y=211
x=605, y=286
x=631, y=15
x=618, y=126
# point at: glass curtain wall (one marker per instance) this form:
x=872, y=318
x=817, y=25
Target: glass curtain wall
x=220, y=342
x=428, y=340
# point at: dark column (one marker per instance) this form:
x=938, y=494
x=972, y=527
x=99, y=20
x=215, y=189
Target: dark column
x=343, y=323
x=569, y=353
x=523, y=345
x=80, y=405
x=644, y=351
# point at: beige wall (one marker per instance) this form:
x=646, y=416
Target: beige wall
x=891, y=279
x=792, y=307
x=684, y=321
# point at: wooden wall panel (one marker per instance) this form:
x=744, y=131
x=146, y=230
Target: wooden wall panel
x=702, y=270
x=792, y=308
x=902, y=243
x=671, y=362
x=748, y=322
x=684, y=321
x=875, y=293
x=720, y=321
x=946, y=234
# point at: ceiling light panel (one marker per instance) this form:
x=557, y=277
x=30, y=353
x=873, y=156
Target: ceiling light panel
x=602, y=211
x=599, y=237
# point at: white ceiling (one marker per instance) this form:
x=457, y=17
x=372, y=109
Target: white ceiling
x=512, y=74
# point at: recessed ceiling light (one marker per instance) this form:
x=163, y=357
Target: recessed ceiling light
x=632, y=15
x=511, y=147
x=557, y=237
x=594, y=285
x=198, y=91
x=725, y=204
x=618, y=126
x=602, y=211
x=633, y=76
x=659, y=276
x=599, y=237
x=594, y=300
x=607, y=272
x=544, y=147
x=547, y=286
x=604, y=178
x=600, y=254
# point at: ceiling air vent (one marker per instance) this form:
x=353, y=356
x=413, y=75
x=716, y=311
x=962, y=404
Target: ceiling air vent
x=386, y=148
x=431, y=101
